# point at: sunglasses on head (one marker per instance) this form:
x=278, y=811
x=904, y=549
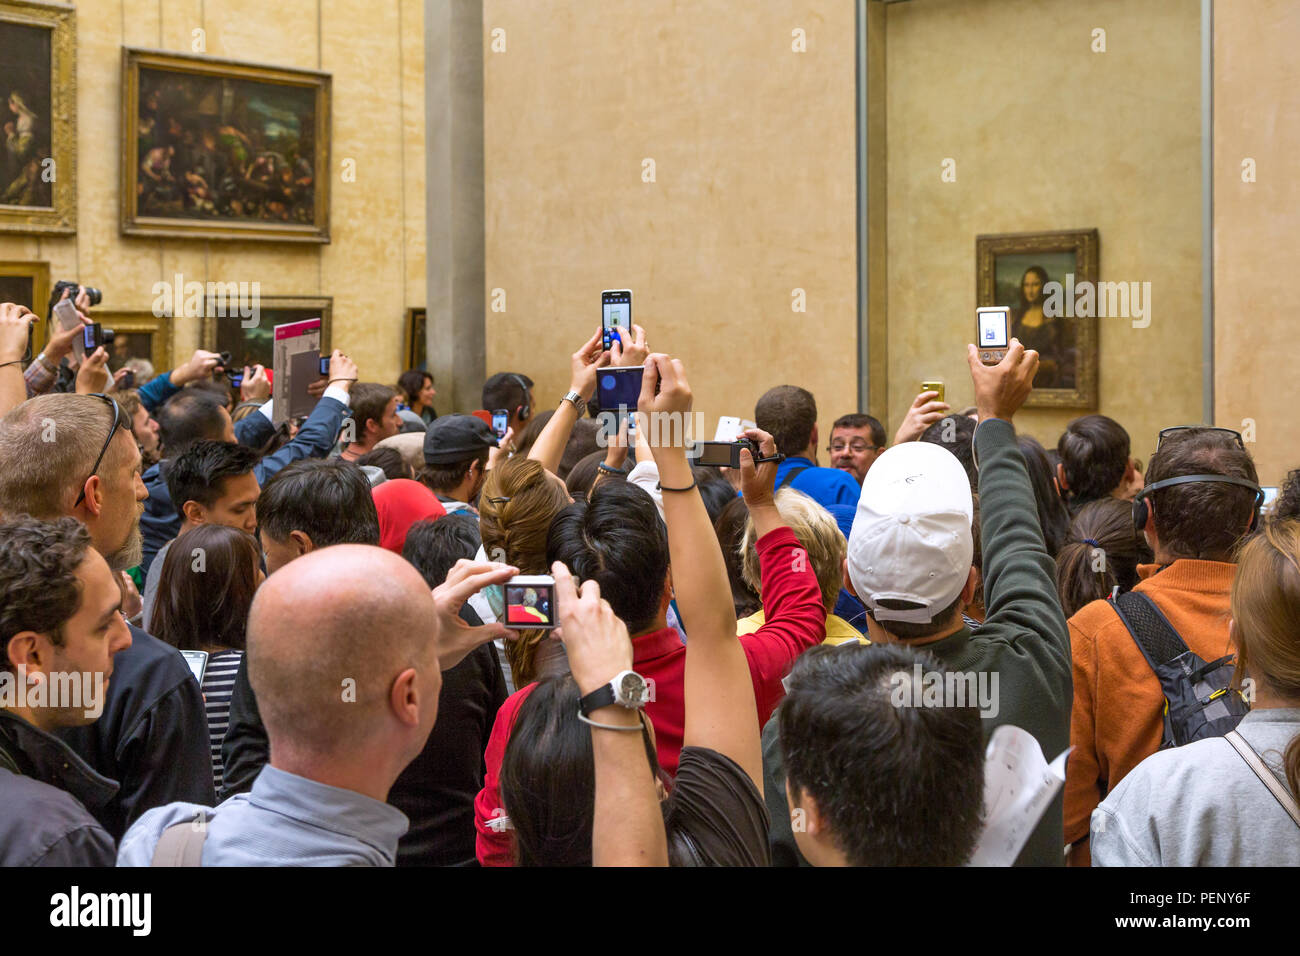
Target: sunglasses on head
x=118, y=422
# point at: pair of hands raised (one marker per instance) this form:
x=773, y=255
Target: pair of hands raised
x=1000, y=391
x=592, y=357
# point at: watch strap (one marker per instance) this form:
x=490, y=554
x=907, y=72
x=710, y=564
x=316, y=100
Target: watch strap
x=601, y=697
x=577, y=400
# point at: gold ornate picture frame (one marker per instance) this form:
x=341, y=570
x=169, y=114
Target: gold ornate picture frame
x=137, y=334
x=38, y=118
x=250, y=340
x=218, y=149
x=1035, y=275
x=28, y=283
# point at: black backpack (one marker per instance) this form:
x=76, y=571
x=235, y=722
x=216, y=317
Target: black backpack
x=1199, y=698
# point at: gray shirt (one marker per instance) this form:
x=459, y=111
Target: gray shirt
x=285, y=820
x=1202, y=805
x=150, y=596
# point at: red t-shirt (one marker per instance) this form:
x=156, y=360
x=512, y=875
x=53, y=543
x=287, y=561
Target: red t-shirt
x=795, y=621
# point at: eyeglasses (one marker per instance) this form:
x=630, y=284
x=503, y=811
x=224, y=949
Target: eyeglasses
x=1166, y=432
x=857, y=447
x=118, y=422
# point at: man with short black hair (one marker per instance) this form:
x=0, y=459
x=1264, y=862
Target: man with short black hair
x=511, y=391
x=193, y=415
x=856, y=441
x=215, y=484
x=153, y=736
x=310, y=505
x=59, y=619
x=957, y=434
x=1193, y=529
x=876, y=783
x=456, y=450
x=1095, y=462
x=374, y=418
x=789, y=414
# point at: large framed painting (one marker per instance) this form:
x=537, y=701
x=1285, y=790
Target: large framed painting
x=28, y=283
x=137, y=335
x=415, y=353
x=251, y=341
x=1041, y=276
x=38, y=122
x=216, y=149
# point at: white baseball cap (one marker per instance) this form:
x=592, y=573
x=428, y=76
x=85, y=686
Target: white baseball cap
x=911, y=538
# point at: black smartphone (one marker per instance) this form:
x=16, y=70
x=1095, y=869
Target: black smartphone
x=500, y=422
x=619, y=389
x=615, y=317
x=128, y=380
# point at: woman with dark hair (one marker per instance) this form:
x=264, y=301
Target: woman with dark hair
x=1039, y=331
x=1053, y=515
x=417, y=392
x=1102, y=551
x=208, y=580
x=730, y=530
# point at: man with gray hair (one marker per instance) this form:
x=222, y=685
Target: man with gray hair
x=74, y=455
x=345, y=713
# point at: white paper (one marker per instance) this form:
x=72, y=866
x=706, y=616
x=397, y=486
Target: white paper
x=1018, y=786
x=729, y=427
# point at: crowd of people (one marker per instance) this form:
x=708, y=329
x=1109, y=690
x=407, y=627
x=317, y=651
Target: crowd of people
x=226, y=639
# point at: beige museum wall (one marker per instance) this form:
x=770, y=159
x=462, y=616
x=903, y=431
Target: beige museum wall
x=1257, y=117
x=1047, y=135
x=375, y=265
x=753, y=194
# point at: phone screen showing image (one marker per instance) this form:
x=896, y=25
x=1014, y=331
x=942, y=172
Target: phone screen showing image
x=615, y=314
x=500, y=420
x=993, y=327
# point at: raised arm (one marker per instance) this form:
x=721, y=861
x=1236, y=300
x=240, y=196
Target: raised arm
x=627, y=824
x=15, y=321
x=583, y=364
x=720, y=710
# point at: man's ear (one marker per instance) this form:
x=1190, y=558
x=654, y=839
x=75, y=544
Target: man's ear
x=300, y=541
x=1150, y=526
x=93, y=502
x=848, y=582
x=972, y=585
x=404, y=698
x=24, y=649
x=194, y=512
x=813, y=438
x=803, y=804
x=1061, y=484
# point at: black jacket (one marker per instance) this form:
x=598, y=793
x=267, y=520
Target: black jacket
x=152, y=737
x=436, y=791
x=45, y=789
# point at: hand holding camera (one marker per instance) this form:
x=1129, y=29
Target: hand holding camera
x=93, y=376
x=596, y=640
x=927, y=408
x=15, y=322
x=1001, y=389
x=584, y=364
x=758, y=481
x=456, y=638
x=201, y=365
x=343, y=371
x=255, y=386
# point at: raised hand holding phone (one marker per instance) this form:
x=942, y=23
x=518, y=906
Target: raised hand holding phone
x=1001, y=389
x=927, y=408
x=632, y=352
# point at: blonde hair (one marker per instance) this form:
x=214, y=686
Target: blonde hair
x=1266, y=619
x=516, y=507
x=818, y=534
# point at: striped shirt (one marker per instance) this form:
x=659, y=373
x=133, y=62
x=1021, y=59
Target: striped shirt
x=218, y=682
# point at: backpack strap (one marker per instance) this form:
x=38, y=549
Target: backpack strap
x=181, y=844
x=1266, y=776
x=1150, y=629
x=791, y=475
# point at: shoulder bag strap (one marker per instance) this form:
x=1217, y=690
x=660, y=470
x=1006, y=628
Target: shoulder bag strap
x=181, y=844
x=1265, y=775
x=791, y=475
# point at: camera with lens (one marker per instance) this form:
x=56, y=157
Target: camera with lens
x=95, y=335
x=93, y=294
x=725, y=454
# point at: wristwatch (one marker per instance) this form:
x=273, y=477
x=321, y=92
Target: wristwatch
x=628, y=689
x=577, y=401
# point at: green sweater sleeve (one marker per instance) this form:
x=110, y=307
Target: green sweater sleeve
x=1020, y=599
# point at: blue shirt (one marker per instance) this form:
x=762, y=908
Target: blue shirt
x=826, y=486
x=285, y=820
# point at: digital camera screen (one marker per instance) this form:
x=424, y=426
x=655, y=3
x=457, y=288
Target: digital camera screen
x=619, y=388
x=993, y=328
x=531, y=605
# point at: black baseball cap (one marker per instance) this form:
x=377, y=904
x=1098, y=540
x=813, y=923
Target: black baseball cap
x=453, y=438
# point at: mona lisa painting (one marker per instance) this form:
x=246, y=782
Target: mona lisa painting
x=1020, y=271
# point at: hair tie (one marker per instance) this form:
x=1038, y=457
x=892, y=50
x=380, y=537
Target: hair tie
x=498, y=501
x=1091, y=542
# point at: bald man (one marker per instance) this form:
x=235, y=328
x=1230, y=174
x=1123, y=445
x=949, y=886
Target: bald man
x=345, y=712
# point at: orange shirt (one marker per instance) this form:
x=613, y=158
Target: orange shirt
x=1118, y=715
